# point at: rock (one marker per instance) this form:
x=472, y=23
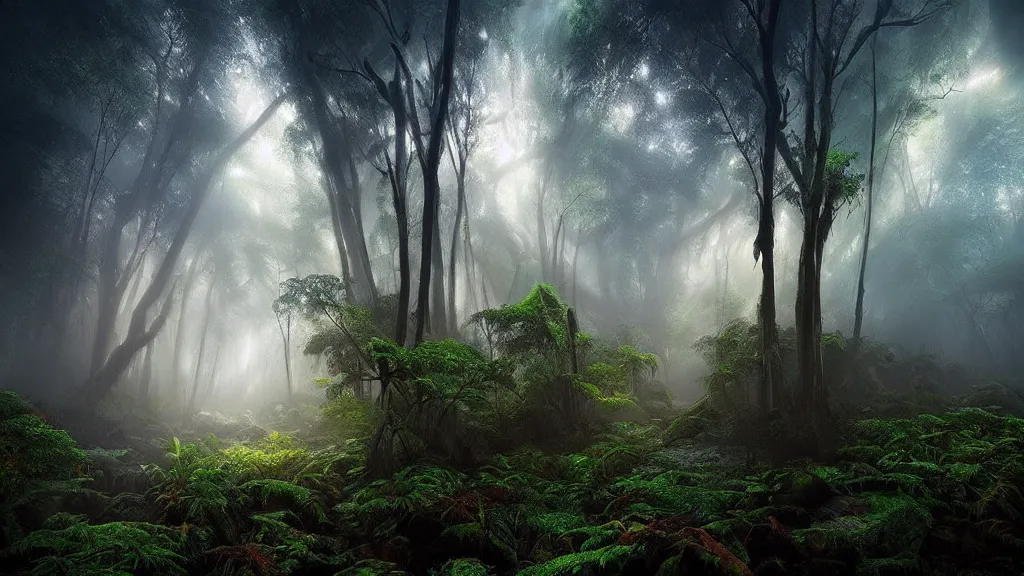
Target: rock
x=809, y=490
x=771, y=543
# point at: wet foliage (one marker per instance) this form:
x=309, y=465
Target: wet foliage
x=921, y=483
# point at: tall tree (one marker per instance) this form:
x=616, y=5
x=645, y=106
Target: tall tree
x=462, y=130
x=431, y=183
x=832, y=42
x=858, y=314
x=400, y=95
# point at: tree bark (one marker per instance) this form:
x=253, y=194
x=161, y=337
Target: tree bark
x=770, y=389
x=339, y=240
x=286, y=341
x=207, y=315
x=570, y=390
x=438, y=313
x=179, y=333
x=141, y=193
x=399, y=186
x=147, y=376
x=460, y=202
x=432, y=186
x=858, y=314
x=342, y=196
x=139, y=335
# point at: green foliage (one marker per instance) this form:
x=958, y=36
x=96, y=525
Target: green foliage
x=31, y=450
x=439, y=394
x=606, y=379
x=611, y=559
x=341, y=330
x=902, y=492
x=531, y=326
x=462, y=567
x=121, y=548
x=842, y=187
x=36, y=460
x=345, y=416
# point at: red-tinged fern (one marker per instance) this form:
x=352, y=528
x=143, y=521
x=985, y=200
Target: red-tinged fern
x=728, y=563
x=254, y=557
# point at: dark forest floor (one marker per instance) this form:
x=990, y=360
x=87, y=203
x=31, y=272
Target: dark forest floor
x=928, y=494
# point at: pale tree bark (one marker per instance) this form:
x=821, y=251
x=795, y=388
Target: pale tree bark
x=203, y=332
x=179, y=332
x=461, y=141
x=140, y=331
x=149, y=184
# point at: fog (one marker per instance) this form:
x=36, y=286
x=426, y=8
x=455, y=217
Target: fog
x=168, y=164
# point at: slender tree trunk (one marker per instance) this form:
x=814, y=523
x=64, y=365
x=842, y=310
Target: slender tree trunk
x=179, y=333
x=858, y=315
x=805, y=319
x=453, y=325
x=575, y=261
x=432, y=186
x=542, y=233
x=363, y=286
x=356, y=196
x=207, y=315
x=469, y=266
x=571, y=409
x=147, y=376
x=109, y=295
x=438, y=313
x=399, y=177
x=339, y=239
x=348, y=230
x=286, y=341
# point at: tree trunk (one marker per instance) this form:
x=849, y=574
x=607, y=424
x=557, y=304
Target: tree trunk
x=399, y=179
x=286, y=341
x=339, y=239
x=570, y=391
x=179, y=333
x=770, y=391
x=542, y=233
x=356, y=195
x=437, y=314
x=139, y=335
x=207, y=315
x=858, y=315
x=143, y=188
x=575, y=261
x=432, y=186
x=147, y=376
x=453, y=324
x=808, y=321
x=342, y=194
x=110, y=292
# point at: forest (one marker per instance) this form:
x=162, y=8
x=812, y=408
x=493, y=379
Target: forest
x=512, y=287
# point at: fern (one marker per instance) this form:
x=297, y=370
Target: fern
x=264, y=490
x=610, y=558
x=120, y=547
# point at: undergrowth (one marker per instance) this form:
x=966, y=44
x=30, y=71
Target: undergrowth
x=931, y=492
